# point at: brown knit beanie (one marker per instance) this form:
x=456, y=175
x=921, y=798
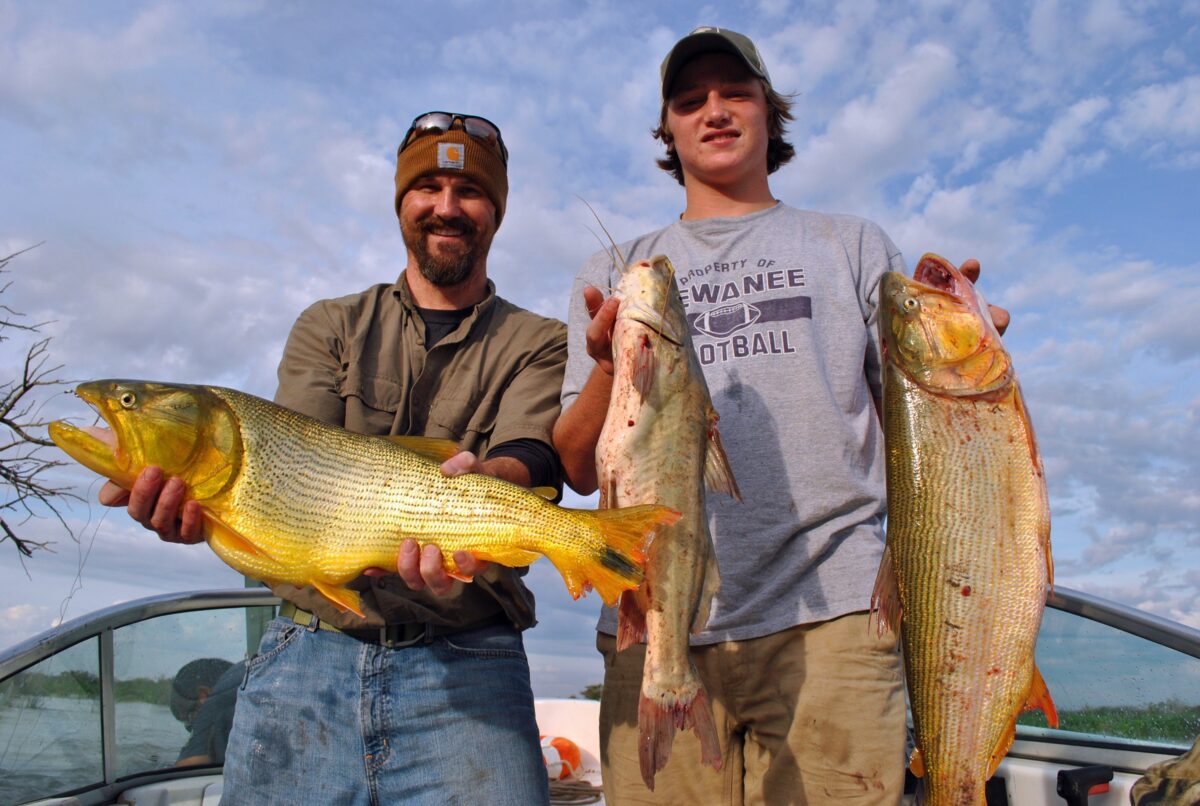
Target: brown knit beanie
x=450, y=152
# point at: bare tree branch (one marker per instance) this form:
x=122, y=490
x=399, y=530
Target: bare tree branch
x=24, y=490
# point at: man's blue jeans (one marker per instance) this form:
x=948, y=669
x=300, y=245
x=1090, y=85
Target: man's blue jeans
x=323, y=718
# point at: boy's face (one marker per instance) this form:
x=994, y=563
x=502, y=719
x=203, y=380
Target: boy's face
x=717, y=115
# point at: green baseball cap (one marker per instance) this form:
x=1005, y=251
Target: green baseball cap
x=707, y=39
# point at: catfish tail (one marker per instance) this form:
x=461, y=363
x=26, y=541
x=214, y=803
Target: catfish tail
x=618, y=565
x=658, y=720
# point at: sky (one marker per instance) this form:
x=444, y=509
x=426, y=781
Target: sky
x=194, y=175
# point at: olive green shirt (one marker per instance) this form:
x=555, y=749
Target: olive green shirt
x=360, y=362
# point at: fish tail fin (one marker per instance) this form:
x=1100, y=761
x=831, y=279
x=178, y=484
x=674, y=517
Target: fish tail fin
x=631, y=619
x=618, y=564
x=885, y=597
x=661, y=714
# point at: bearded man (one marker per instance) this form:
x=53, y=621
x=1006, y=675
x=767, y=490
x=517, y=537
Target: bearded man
x=427, y=698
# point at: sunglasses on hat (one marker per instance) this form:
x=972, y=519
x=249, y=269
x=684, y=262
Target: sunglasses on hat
x=479, y=128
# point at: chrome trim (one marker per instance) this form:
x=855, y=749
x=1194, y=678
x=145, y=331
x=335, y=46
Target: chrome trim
x=40, y=647
x=1161, y=631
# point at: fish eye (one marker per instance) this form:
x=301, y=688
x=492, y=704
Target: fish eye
x=127, y=399
x=910, y=304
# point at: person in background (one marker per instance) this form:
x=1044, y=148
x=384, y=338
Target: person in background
x=809, y=705
x=203, y=696
x=427, y=699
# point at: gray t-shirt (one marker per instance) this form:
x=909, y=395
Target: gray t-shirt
x=782, y=304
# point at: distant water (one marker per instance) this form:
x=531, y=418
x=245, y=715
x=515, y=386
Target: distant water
x=52, y=744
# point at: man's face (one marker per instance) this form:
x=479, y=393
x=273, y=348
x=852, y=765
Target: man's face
x=447, y=222
x=717, y=115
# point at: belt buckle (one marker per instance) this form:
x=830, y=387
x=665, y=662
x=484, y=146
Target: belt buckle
x=398, y=636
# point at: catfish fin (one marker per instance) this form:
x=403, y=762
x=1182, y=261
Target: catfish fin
x=343, y=598
x=885, y=597
x=718, y=474
x=644, y=366
x=1039, y=698
x=657, y=723
x=712, y=582
x=631, y=619
x=432, y=448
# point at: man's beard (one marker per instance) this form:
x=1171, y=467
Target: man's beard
x=452, y=263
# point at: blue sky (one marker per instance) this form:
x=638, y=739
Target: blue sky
x=198, y=173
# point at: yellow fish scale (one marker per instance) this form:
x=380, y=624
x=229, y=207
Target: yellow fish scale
x=325, y=512
x=967, y=517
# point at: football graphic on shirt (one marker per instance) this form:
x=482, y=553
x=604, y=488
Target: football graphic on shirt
x=720, y=322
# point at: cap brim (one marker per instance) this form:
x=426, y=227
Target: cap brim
x=693, y=46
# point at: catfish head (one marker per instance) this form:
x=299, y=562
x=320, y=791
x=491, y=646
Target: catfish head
x=648, y=295
x=188, y=431
x=937, y=330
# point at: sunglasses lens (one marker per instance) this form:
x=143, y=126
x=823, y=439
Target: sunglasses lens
x=439, y=122
x=481, y=129
x=434, y=121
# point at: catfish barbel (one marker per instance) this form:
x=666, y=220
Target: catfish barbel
x=967, y=565
x=286, y=498
x=659, y=445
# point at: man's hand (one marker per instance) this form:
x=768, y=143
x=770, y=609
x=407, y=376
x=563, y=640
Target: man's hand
x=422, y=567
x=1000, y=317
x=158, y=505
x=599, y=333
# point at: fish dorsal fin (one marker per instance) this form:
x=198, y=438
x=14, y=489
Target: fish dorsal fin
x=432, y=448
x=1039, y=698
x=343, y=599
x=549, y=493
x=718, y=474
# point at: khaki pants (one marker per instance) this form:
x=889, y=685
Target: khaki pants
x=813, y=714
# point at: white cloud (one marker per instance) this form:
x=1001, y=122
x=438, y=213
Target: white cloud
x=1161, y=118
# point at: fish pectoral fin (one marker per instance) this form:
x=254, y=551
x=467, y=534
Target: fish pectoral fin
x=885, y=597
x=432, y=448
x=916, y=763
x=631, y=618
x=231, y=540
x=343, y=599
x=712, y=583
x=718, y=474
x=644, y=367
x=1039, y=699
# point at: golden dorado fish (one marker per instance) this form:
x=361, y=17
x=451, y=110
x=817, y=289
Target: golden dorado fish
x=659, y=445
x=967, y=565
x=286, y=498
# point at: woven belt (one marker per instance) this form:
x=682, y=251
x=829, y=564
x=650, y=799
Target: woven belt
x=392, y=636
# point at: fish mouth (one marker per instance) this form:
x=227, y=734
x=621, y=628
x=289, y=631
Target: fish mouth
x=652, y=319
x=95, y=447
